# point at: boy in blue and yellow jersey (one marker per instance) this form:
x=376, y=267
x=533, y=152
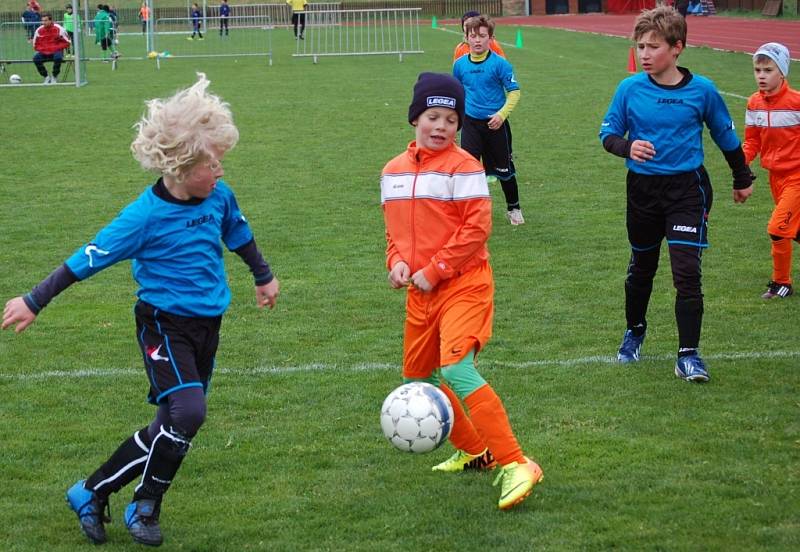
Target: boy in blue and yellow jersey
x=662, y=111
x=438, y=215
x=492, y=93
x=462, y=48
x=173, y=232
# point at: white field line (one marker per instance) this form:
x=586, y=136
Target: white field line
x=377, y=367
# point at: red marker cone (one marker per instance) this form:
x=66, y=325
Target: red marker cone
x=632, y=61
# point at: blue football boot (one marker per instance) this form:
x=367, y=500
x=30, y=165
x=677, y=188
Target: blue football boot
x=631, y=347
x=89, y=508
x=141, y=519
x=692, y=368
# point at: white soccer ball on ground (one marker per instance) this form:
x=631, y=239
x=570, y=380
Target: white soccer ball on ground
x=15, y=79
x=416, y=417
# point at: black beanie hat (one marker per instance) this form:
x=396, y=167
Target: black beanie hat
x=437, y=90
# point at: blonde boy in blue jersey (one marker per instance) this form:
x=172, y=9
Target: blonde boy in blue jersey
x=173, y=232
x=655, y=121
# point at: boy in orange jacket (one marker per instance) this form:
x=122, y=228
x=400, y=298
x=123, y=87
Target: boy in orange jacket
x=772, y=130
x=438, y=214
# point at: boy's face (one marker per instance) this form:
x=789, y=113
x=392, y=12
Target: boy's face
x=478, y=40
x=656, y=56
x=46, y=21
x=436, y=128
x=202, y=178
x=768, y=77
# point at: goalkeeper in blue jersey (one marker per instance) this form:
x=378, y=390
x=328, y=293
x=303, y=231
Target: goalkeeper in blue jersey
x=655, y=121
x=173, y=233
x=492, y=92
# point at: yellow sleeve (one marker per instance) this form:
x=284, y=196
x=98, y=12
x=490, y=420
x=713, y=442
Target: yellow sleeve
x=511, y=102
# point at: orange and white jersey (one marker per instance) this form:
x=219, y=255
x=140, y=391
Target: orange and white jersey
x=463, y=49
x=773, y=129
x=438, y=211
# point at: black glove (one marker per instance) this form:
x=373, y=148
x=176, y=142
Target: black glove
x=743, y=178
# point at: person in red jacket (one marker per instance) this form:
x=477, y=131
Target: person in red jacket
x=772, y=130
x=438, y=214
x=50, y=40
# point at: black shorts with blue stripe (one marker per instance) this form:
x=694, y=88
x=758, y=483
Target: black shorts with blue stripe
x=178, y=351
x=674, y=207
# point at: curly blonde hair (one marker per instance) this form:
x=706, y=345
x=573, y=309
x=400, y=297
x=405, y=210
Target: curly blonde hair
x=177, y=132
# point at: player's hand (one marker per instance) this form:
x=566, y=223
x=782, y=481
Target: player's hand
x=398, y=276
x=495, y=122
x=267, y=295
x=419, y=281
x=740, y=196
x=642, y=151
x=17, y=312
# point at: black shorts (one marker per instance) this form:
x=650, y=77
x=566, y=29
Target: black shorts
x=493, y=146
x=672, y=206
x=178, y=351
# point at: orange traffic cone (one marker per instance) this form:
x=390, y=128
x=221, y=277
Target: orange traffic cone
x=632, y=61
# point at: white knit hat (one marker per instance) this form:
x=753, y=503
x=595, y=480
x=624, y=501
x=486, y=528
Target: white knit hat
x=776, y=52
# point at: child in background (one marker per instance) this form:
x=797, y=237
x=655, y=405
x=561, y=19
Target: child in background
x=462, y=48
x=438, y=216
x=492, y=92
x=663, y=110
x=772, y=130
x=173, y=233
x=197, y=23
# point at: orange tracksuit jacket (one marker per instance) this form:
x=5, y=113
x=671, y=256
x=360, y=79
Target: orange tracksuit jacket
x=437, y=210
x=773, y=130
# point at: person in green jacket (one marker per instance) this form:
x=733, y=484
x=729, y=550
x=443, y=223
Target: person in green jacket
x=102, y=31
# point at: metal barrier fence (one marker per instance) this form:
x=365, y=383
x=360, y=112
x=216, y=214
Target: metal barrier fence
x=245, y=36
x=361, y=32
x=281, y=14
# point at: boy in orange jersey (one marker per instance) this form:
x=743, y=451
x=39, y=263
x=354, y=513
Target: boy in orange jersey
x=773, y=131
x=438, y=216
x=463, y=47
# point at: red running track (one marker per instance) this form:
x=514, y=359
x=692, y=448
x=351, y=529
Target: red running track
x=725, y=33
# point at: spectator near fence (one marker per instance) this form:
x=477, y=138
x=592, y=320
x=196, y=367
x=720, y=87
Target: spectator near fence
x=298, y=16
x=31, y=19
x=144, y=15
x=70, y=19
x=50, y=40
x=224, y=13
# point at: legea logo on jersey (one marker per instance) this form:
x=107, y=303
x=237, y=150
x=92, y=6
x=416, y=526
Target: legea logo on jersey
x=441, y=101
x=681, y=228
x=93, y=249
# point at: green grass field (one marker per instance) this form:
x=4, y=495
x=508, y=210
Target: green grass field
x=291, y=456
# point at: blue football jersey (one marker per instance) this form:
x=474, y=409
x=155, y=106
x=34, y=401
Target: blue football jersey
x=176, y=248
x=485, y=83
x=672, y=119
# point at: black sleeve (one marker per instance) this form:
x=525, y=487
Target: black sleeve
x=617, y=145
x=258, y=266
x=58, y=280
x=742, y=175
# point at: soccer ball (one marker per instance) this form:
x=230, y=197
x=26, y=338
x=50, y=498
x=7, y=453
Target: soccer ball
x=15, y=79
x=416, y=417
